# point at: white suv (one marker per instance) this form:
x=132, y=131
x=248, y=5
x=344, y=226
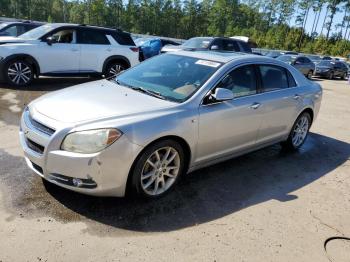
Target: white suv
x=65, y=50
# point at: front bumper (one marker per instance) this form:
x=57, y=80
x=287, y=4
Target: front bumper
x=102, y=174
x=322, y=73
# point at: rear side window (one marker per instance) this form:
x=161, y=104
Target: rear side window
x=123, y=38
x=241, y=81
x=92, y=37
x=273, y=78
x=245, y=47
x=291, y=80
x=307, y=60
x=229, y=45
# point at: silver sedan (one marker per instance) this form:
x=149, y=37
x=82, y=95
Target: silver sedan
x=166, y=117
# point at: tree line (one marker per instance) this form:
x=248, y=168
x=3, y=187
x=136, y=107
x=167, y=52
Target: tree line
x=267, y=22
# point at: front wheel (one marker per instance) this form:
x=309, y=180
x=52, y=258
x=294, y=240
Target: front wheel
x=343, y=77
x=330, y=76
x=18, y=73
x=299, y=132
x=157, y=169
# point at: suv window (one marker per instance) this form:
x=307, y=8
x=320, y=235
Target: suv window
x=241, y=81
x=230, y=45
x=273, y=77
x=64, y=36
x=123, y=38
x=92, y=37
x=15, y=30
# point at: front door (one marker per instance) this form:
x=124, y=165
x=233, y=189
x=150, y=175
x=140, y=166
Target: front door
x=230, y=126
x=62, y=56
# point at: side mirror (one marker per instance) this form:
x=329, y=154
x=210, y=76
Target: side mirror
x=222, y=94
x=50, y=40
x=214, y=47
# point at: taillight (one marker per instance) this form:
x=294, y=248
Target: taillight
x=134, y=49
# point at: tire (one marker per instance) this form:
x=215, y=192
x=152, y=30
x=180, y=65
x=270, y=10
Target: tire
x=18, y=72
x=310, y=74
x=114, y=68
x=343, y=77
x=330, y=76
x=293, y=143
x=151, y=176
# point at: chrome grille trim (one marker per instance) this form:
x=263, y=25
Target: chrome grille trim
x=33, y=124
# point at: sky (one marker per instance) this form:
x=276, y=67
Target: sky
x=337, y=19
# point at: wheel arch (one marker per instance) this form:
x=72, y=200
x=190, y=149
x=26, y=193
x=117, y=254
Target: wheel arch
x=30, y=59
x=184, y=144
x=115, y=58
x=308, y=110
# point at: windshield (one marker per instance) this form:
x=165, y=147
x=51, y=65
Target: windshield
x=197, y=42
x=285, y=58
x=3, y=25
x=38, y=32
x=173, y=77
x=326, y=63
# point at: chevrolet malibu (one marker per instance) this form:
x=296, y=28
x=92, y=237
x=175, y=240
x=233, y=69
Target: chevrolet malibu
x=142, y=130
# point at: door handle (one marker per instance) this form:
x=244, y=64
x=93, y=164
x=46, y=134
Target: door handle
x=75, y=49
x=296, y=96
x=255, y=105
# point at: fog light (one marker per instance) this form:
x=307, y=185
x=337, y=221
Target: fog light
x=77, y=182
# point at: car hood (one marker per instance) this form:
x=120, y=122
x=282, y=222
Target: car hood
x=96, y=100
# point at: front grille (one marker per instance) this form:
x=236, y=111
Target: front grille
x=35, y=146
x=30, y=122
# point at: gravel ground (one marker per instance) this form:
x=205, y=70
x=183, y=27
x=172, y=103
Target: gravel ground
x=264, y=206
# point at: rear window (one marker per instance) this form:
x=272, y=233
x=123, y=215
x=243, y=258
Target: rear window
x=229, y=45
x=92, y=37
x=123, y=38
x=245, y=47
x=273, y=78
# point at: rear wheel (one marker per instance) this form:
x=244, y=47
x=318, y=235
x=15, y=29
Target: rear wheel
x=114, y=68
x=310, y=74
x=299, y=132
x=18, y=72
x=157, y=169
x=330, y=76
x=343, y=76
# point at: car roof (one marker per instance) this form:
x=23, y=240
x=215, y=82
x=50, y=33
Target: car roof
x=57, y=25
x=222, y=57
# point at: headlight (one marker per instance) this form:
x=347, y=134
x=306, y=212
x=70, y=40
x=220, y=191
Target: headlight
x=90, y=141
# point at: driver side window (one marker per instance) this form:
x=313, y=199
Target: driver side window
x=64, y=36
x=241, y=81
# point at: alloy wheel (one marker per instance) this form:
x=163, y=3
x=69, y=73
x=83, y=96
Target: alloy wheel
x=115, y=69
x=19, y=73
x=309, y=75
x=160, y=171
x=300, y=131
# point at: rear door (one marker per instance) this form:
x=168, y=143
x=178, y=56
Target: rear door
x=95, y=48
x=279, y=102
x=230, y=126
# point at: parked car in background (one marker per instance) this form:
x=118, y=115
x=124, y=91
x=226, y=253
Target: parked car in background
x=274, y=54
x=327, y=58
x=211, y=43
x=151, y=46
x=331, y=69
x=207, y=107
x=314, y=58
x=291, y=53
x=302, y=63
x=17, y=28
x=66, y=49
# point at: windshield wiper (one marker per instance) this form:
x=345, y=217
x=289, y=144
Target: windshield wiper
x=149, y=92
x=140, y=89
